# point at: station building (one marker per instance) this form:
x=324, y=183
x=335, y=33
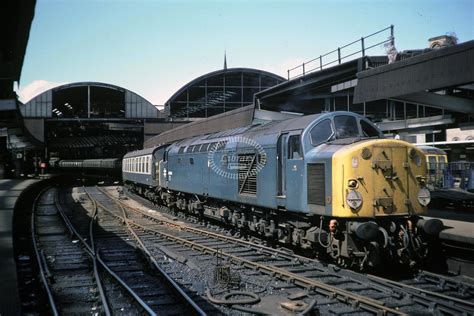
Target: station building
x=79, y=121
x=87, y=120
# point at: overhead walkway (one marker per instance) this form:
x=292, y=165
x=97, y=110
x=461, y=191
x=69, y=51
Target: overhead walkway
x=416, y=79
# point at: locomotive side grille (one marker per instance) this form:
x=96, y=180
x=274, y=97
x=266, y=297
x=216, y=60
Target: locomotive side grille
x=316, y=185
x=248, y=173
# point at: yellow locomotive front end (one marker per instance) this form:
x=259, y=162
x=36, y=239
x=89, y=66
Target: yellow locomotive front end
x=378, y=178
x=378, y=196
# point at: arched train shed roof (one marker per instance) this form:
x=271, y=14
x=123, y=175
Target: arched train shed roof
x=89, y=94
x=221, y=72
x=219, y=91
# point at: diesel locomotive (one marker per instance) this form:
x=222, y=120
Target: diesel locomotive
x=329, y=183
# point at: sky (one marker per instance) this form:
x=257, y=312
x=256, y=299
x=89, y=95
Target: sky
x=155, y=47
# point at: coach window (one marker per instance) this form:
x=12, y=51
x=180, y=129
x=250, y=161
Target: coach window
x=294, y=147
x=321, y=132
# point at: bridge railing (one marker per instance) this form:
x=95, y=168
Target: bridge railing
x=338, y=55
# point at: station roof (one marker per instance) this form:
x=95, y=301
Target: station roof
x=88, y=100
x=15, y=23
x=219, y=91
x=221, y=72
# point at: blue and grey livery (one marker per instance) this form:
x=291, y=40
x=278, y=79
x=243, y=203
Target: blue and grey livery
x=329, y=182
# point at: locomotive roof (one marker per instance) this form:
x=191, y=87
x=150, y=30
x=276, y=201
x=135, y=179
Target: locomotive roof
x=263, y=130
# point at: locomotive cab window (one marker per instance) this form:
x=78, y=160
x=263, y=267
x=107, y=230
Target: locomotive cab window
x=321, y=132
x=368, y=130
x=294, y=147
x=346, y=126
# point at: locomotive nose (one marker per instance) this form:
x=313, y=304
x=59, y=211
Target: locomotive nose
x=379, y=178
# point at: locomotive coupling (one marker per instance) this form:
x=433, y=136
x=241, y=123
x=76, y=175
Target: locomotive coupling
x=431, y=226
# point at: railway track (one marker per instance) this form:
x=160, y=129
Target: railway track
x=81, y=279
x=325, y=287
x=123, y=250
x=65, y=265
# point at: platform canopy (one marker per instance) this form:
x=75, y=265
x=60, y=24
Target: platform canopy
x=88, y=100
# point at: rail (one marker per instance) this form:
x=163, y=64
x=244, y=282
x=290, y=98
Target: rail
x=319, y=63
x=445, y=303
x=43, y=269
x=128, y=224
x=367, y=304
x=91, y=252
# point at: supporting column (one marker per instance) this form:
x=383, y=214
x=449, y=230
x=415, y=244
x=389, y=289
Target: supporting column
x=89, y=101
